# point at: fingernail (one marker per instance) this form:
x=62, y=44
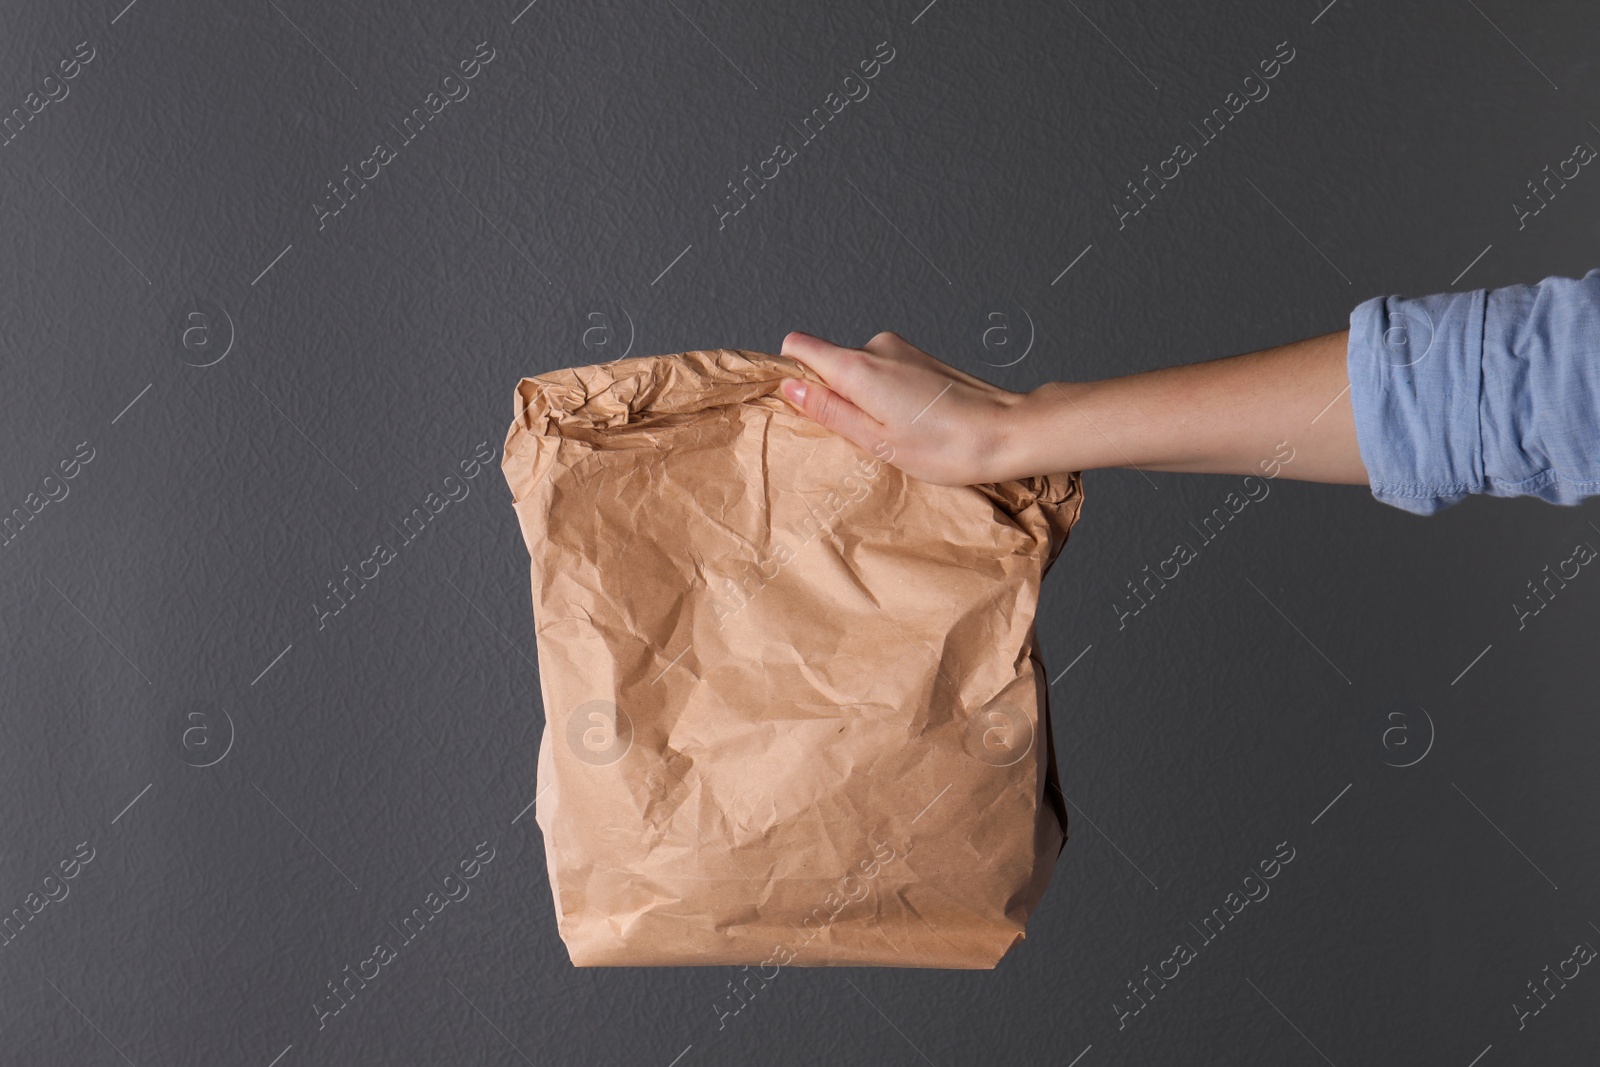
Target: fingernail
x=795, y=390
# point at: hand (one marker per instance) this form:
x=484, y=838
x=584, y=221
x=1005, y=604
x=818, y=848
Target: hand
x=939, y=424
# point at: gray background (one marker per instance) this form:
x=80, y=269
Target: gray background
x=162, y=614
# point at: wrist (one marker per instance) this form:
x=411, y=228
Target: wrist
x=1032, y=437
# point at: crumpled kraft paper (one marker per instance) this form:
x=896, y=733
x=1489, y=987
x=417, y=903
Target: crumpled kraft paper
x=795, y=711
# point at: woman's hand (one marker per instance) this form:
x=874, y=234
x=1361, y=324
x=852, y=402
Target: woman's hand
x=941, y=425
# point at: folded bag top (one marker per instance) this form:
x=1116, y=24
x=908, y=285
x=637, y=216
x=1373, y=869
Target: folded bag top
x=794, y=708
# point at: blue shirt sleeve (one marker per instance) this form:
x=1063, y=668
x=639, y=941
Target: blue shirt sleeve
x=1493, y=391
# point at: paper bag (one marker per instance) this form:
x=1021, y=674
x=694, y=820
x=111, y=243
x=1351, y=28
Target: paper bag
x=795, y=711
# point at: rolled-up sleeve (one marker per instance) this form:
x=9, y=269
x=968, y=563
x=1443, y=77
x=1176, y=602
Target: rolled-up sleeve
x=1491, y=391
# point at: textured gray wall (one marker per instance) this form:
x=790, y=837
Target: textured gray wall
x=263, y=391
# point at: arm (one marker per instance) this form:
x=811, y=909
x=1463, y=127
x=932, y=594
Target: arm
x=1221, y=417
x=1427, y=399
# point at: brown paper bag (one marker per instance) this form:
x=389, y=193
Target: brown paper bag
x=794, y=708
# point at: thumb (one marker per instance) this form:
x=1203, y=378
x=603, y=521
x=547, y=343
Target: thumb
x=828, y=408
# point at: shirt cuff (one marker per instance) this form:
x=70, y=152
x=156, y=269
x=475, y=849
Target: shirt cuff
x=1416, y=383
x=1541, y=390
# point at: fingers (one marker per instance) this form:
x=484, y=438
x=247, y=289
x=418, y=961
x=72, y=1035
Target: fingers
x=829, y=409
x=857, y=375
x=885, y=379
x=887, y=343
x=827, y=359
x=892, y=346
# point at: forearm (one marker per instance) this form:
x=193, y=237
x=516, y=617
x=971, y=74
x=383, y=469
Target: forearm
x=1225, y=416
